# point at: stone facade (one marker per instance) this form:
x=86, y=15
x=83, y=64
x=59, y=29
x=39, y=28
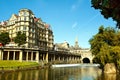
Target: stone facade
x=39, y=41
x=38, y=32
x=62, y=46
x=86, y=55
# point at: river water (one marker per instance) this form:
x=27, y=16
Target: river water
x=62, y=73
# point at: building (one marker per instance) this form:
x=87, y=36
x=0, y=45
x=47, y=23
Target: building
x=76, y=49
x=85, y=53
x=38, y=33
x=39, y=41
x=61, y=46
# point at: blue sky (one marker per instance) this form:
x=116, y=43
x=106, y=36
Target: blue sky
x=68, y=18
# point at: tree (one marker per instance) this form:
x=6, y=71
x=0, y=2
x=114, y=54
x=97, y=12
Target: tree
x=108, y=8
x=4, y=38
x=105, y=46
x=20, y=38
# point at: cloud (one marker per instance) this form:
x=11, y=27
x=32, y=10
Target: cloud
x=74, y=25
x=76, y=5
x=89, y=21
x=73, y=7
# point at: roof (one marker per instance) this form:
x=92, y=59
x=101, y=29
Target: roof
x=25, y=9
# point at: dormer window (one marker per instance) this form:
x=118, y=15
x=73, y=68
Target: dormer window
x=24, y=13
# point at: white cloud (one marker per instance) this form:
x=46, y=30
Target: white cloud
x=73, y=7
x=76, y=5
x=74, y=25
x=89, y=21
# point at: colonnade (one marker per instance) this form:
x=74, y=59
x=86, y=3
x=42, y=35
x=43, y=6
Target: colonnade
x=64, y=58
x=20, y=55
x=37, y=55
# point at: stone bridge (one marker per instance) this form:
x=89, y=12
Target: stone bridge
x=86, y=56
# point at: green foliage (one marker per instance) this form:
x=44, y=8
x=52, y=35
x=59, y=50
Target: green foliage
x=105, y=45
x=4, y=38
x=108, y=8
x=20, y=38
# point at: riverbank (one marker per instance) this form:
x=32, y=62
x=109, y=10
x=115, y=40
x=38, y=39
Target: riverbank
x=8, y=66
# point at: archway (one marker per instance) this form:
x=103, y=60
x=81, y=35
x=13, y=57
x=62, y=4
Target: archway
x=86, y=60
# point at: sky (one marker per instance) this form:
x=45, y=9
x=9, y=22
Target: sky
x=69, y=19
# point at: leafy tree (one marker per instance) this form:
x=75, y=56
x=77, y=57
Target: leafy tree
x=105, y=45
x=4, y=38
x=116, y=55
x=108, y=8
x=20, y=38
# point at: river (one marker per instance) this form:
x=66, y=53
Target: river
x=60, y=73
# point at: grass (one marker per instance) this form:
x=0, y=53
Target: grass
x=16, y=64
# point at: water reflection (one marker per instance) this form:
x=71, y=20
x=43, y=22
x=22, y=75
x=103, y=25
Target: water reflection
x=73, y=73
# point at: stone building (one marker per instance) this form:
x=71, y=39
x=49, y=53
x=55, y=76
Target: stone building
x=76, y=49
x=39, y=41
x=86, y=55
x=62, y=46
x=38, y=33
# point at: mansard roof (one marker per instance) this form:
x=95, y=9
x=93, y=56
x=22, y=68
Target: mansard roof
x=25, y=9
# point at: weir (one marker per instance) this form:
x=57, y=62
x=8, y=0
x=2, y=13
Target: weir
x=75, y=65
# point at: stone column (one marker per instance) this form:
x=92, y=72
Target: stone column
x=91, y=61
x=20, y=56
x=31, y=56
x=8, y=54
x=72, y=58
x=66, y=59
x=13, y=55
x=69, y=58
x=43, y=56
x=77, y=58
x=0, y=54
x=27, y=56
x=54, y=57
x=58, y=58
x=37, y=56
x=63, y=58
x=46, y=57
x=81, y=60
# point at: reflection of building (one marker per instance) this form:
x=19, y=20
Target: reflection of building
x=38, y=33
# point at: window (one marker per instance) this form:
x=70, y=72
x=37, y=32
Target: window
x=19, y=29
x=24, y=18
x=33, y=30
x=24, y=13
x=24, y=28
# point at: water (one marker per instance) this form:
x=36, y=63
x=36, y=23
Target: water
x=63, y=73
